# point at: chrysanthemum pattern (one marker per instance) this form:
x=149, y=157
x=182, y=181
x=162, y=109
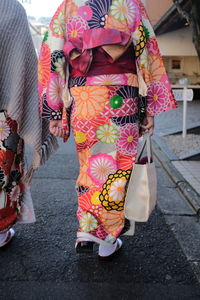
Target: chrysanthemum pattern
x=76, y=26
x=90, y=101
x=117, y=190
x=60, y=67
x=107, y=134
x=118, y=10
x=85, y=12
x=158, y=98
x=128, y=139
x=100, y=166
x=105, y=109
x=57, y=24
x=95, y=168
x=107, y=80
x=88, y=222
x=4, y=130
x=54, y=91
x=11, y=172
x=112, y=196
x=132, y=13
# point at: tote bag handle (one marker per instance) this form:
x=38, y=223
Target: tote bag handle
x=146, y=142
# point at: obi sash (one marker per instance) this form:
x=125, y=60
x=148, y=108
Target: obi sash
x=100, y=51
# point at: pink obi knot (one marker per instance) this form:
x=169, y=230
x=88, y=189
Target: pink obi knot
x=78, y=51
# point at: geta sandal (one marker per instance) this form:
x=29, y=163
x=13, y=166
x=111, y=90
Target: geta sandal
x=84, y=246
x=9, y=237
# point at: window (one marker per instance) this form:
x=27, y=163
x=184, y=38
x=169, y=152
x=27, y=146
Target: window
x=176, y=64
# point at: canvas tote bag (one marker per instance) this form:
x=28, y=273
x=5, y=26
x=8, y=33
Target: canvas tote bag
x=142, y=188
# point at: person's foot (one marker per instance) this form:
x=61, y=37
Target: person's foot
x=107, y=253
x=84, y=246
x=5, y=238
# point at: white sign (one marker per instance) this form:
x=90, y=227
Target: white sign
x=179, y=94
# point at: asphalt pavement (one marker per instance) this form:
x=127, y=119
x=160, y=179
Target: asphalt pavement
x=41, y=262
x=172, y=120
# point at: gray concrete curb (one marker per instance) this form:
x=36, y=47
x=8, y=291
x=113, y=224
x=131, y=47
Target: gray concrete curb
x=185, y=188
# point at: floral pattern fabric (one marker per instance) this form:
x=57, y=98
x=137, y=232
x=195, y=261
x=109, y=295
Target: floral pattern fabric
x=106, y=152
x=72, y=19
x=104, y=109
x=12, y=185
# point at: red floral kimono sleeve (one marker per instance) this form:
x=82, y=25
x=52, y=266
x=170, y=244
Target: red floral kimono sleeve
x=52, y=71
x=150, y=65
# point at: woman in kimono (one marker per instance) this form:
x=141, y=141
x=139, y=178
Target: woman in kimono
x=92, y=60
x=20, y=120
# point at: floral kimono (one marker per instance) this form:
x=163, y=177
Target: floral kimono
x=15, y=198
x=91, y=61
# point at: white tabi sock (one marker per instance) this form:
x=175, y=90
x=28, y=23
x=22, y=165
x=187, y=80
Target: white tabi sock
x=3, y=237
x=107, y=250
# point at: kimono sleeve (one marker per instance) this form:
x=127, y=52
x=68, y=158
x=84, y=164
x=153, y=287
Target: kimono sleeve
x=150, y=66
x=53, y=82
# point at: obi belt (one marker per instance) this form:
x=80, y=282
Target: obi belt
x=100, y=51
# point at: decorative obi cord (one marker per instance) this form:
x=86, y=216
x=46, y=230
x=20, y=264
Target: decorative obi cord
x=100, y=51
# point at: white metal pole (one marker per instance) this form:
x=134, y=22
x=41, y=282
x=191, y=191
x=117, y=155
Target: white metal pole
x=184, y=133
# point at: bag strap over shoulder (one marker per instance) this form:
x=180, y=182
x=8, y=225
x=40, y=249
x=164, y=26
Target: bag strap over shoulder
x=148, y=144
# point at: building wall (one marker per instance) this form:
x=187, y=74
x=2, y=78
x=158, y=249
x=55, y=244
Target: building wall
x=177, y=42
x=157, y=8
x=190, y=68
x=191, y=65
x=176, y=46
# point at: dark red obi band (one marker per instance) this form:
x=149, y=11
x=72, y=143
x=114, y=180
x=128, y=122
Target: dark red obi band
x=100, y=51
